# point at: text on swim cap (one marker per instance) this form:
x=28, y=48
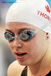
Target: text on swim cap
x=40, y=13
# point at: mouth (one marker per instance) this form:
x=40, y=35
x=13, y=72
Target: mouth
x=20, y=55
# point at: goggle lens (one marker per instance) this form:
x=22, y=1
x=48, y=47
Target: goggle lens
x=8, y=36
x=24, y=36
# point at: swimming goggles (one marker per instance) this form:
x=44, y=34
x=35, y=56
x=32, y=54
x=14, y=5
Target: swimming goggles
x=24, y=35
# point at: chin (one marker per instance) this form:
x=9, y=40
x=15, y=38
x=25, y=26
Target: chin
x=23, y=63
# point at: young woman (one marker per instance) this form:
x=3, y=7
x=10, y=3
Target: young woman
x=28, y=33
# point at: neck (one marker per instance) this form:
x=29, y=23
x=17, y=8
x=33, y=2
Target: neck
x=42, y=67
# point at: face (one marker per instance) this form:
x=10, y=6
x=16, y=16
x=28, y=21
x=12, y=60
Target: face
x=27, y=51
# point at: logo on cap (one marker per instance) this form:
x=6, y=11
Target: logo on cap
x=44, y=14
x=47, y=8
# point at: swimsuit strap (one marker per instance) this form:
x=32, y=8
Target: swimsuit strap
x=49, y=74
x=24, y=72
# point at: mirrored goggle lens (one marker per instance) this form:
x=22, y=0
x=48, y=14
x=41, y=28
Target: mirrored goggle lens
x=8, y=36
x=26, y=34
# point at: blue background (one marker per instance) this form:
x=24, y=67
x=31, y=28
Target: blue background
x=49, y=2
x=6, y=1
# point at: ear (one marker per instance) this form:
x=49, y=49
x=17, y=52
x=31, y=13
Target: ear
x=47, y=35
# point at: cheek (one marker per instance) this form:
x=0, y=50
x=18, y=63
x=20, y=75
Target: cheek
x=38, y=48
x=10, y=45
x=35, y=46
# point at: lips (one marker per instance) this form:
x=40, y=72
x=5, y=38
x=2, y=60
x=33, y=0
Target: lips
x=20, y=55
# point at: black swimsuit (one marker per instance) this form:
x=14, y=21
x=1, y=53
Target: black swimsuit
x=24, y=73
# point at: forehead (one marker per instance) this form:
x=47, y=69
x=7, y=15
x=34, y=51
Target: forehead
x=19, y=25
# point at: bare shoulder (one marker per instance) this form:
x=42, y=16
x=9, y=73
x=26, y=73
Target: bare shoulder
x=15, y=69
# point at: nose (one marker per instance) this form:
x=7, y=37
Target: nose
x=17, y=43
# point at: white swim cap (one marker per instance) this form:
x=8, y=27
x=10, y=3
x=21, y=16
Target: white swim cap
x=35, y=12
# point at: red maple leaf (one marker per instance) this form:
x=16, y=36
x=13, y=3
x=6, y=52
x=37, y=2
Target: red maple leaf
x=48, y=8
